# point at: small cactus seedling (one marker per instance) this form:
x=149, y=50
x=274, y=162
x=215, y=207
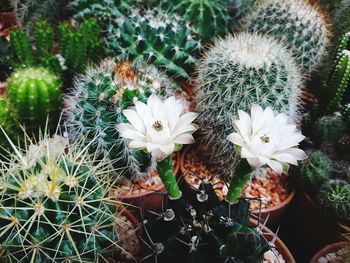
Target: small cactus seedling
x=235, y=73
x=55, y=205
x=34, y=94
x=95, y=107
x=300, y=25
x=334, y=200
x=155, y=36
x=315, y=170
x=209, y=18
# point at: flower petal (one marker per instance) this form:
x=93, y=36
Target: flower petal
x=277, y=167
x=137, y=144
x=184, y=139
x=135, y=120
x=236, y=139
x=168, y=149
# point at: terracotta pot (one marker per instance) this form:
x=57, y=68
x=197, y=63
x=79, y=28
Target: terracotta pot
x=7, y=23
x=280, y=246
x=328, y=249
x=274, y=214
x=150, y=200
x=312, y=220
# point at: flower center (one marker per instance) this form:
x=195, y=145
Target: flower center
x=157, y=125
x=265, y=138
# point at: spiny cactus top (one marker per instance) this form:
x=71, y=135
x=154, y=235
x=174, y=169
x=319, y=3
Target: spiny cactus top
x=155, y=36
x=34, y=94
x=341, y=18
x=209, y=18
x=54, y=205
x=235, y=73
x=95, y=107
x=302, y=27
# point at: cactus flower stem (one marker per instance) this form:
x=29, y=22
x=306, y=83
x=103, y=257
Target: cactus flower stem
x=166, y=173
x=238, y=182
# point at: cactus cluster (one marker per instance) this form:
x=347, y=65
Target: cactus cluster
x=153, y=35
x=205, y=231
x=235, y=73
x=334, y=199
x=34, y=94
x=54, y=205
x=94, y=108
x=300, y=25
x=237, y=8
x=210, y=18
x=341, y=19
x=314, y=171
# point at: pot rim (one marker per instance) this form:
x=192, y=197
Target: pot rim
x=157, y=188
x=284, y=203
x=328, y=249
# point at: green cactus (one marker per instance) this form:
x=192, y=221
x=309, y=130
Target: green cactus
x=328, y=129
x=55, y=205
x=8, y=124
x=22, y=48
x=341, y=19
x=339, y=77
x=314, y=171
x=237, y=8
x=235, y=73
x=334, y=200
x=209, y=18
x=34, y=94
x=300, y=25
x=95, y=107
x=155, y=36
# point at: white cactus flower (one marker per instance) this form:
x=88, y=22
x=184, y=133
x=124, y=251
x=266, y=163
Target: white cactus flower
x=267, y=139
x=158, y=127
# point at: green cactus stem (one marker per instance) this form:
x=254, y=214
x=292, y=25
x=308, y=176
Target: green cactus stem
x=238, y=182
x=166, y=173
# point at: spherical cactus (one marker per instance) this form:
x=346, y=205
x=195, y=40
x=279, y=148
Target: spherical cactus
x=334, y=200
x=55, y=206
x=314, y=171
x=34, y=94
x=209, y=18
x=301, y=26
x=235, y=73
x=155, y=36
x=95, y=107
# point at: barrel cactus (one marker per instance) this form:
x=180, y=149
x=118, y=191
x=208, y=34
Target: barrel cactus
x=209, y=18
x=334, y=199
x=235, y=73
x=94, y=108
x=34, y=94
x=54, y=205
x=315, y=171
x=155, y=36
x=301, y=26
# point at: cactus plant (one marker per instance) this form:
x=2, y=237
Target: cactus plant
x=300, y=25
x=315, y=171
x=34, y=94
x=235, y=73
x=237, y=8
x=155, y=36
x=209, y=18
x=95, y=107
x=21, y=46
x=341, y=19
x=334, y=199
x=54, y=205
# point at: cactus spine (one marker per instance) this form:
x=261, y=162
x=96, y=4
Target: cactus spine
x=95, y=107
x=34, y=94
x=300, y=25
x=54, y=206
x=236, y=72
x=334, y=199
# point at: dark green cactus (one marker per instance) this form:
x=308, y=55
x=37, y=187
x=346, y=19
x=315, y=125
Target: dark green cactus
x=334, y=200
x=22, y=48
x=209, y=18
x=314, y=171
x=34, y=94
x=55, y=206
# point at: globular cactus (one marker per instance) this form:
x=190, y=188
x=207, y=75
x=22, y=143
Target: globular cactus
x=55, y=205
x=314, y=171
x=301, y=26
x=339, y=77
x=334, y=200
x=155, y=36
x=34, y=94
x=94, y=108
x=235, y=73
x=328, y=129
x=209, y=18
